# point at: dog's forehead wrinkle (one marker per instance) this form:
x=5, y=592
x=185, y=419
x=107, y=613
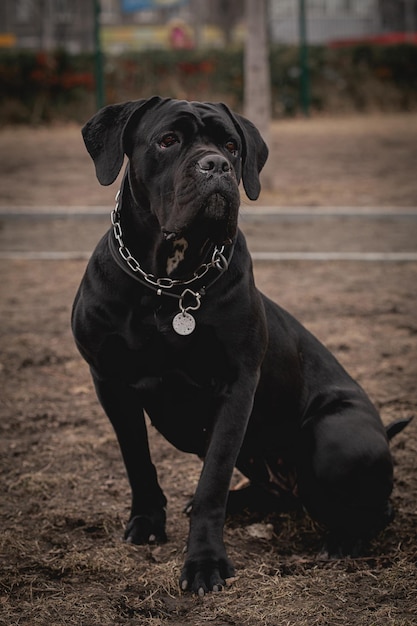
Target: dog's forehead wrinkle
x=176, y=119
x=218, y=126
x=206, y=118
x=214, y=119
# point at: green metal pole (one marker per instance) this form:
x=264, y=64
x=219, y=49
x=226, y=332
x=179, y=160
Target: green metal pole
x=98, y=57
x=304, y=76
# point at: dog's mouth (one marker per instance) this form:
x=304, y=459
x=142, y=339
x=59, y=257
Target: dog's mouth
x=219, y=216
x=215, y=220
x=216, y=207
x=188, y=241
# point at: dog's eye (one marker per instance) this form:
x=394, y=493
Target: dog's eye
x=231, y=146
x=169, y=140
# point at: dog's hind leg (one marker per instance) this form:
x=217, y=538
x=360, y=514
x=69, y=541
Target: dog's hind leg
x=147, y=518
x=345, y=479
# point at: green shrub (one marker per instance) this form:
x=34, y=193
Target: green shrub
x=39, y=87
x=45, y=86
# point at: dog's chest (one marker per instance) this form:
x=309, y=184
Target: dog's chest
x=179, y=380
x=146, y=345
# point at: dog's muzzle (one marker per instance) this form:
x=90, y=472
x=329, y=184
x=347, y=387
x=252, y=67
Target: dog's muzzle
x=208, y=200
x=221, y=204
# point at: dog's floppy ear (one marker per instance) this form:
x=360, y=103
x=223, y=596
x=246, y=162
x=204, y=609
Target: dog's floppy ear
x=103, y=136
x=255, y=153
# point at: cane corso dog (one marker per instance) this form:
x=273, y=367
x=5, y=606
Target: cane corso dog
x=170, y=321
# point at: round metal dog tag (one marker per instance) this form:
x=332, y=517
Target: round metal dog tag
x=183, y=323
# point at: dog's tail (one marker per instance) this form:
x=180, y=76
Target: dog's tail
x=396, y=427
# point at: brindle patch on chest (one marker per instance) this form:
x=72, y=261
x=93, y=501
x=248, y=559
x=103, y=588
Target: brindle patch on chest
x=178, y=253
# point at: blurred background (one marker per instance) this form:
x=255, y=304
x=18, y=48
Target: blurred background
x=62, y=59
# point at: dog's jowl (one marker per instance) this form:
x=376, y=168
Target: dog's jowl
x=171, y=323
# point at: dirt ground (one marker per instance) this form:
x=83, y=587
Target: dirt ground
x=64, y=494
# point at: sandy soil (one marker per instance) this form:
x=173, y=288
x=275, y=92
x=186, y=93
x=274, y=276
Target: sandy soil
x=65, y=497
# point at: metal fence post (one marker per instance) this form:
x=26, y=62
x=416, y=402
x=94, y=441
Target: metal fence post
x=98, y=57
x=304, y=74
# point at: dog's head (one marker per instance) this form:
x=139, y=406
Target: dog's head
x=186, y=160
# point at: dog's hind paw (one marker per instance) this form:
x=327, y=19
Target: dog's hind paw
x=143, y=529
x=337, y=547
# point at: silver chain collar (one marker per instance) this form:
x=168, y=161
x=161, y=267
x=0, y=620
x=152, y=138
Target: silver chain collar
x=183, y=323
x=218, y=260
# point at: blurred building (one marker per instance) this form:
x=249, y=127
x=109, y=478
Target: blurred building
x=327, y=19
x=47, y=24
x=69, y=24
x=332, y=20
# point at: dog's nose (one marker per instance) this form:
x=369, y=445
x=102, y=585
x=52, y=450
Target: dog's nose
x=214, y=164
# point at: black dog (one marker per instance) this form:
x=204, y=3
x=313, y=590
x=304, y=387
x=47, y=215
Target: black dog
x=171, y=323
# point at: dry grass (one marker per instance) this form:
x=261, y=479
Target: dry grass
x=64, y=496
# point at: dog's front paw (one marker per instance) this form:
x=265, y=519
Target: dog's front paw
x=204, y=575
x=146, y=529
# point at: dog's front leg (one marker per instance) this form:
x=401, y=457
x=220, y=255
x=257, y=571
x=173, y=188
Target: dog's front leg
x=207, y=566
x=122, y=405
